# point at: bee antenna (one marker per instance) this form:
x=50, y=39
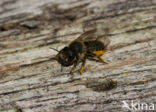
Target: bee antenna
x=54, y=49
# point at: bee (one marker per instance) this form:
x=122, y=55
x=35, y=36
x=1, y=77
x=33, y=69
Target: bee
x=86, y=46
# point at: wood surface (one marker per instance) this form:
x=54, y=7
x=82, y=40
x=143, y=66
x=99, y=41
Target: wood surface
x=30, y=81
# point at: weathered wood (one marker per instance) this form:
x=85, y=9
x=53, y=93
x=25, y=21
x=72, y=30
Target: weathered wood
x=30, y=81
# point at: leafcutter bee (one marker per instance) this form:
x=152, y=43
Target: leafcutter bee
x=86, y=46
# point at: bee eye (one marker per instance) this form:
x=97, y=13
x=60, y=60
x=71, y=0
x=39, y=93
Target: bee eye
x=71, y=57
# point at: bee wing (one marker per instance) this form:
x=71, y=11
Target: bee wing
x=104, y=40
x=89, y=35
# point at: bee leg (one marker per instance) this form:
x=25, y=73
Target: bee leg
x=61, y=68
x=73, y=68
x=82, y=66
x=101, y=60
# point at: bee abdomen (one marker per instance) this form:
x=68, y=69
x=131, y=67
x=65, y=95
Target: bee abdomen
x=95, y=46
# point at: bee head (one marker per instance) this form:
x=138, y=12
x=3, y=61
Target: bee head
x=66, y=57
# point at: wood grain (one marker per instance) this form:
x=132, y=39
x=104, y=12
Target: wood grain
x=32, y=82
